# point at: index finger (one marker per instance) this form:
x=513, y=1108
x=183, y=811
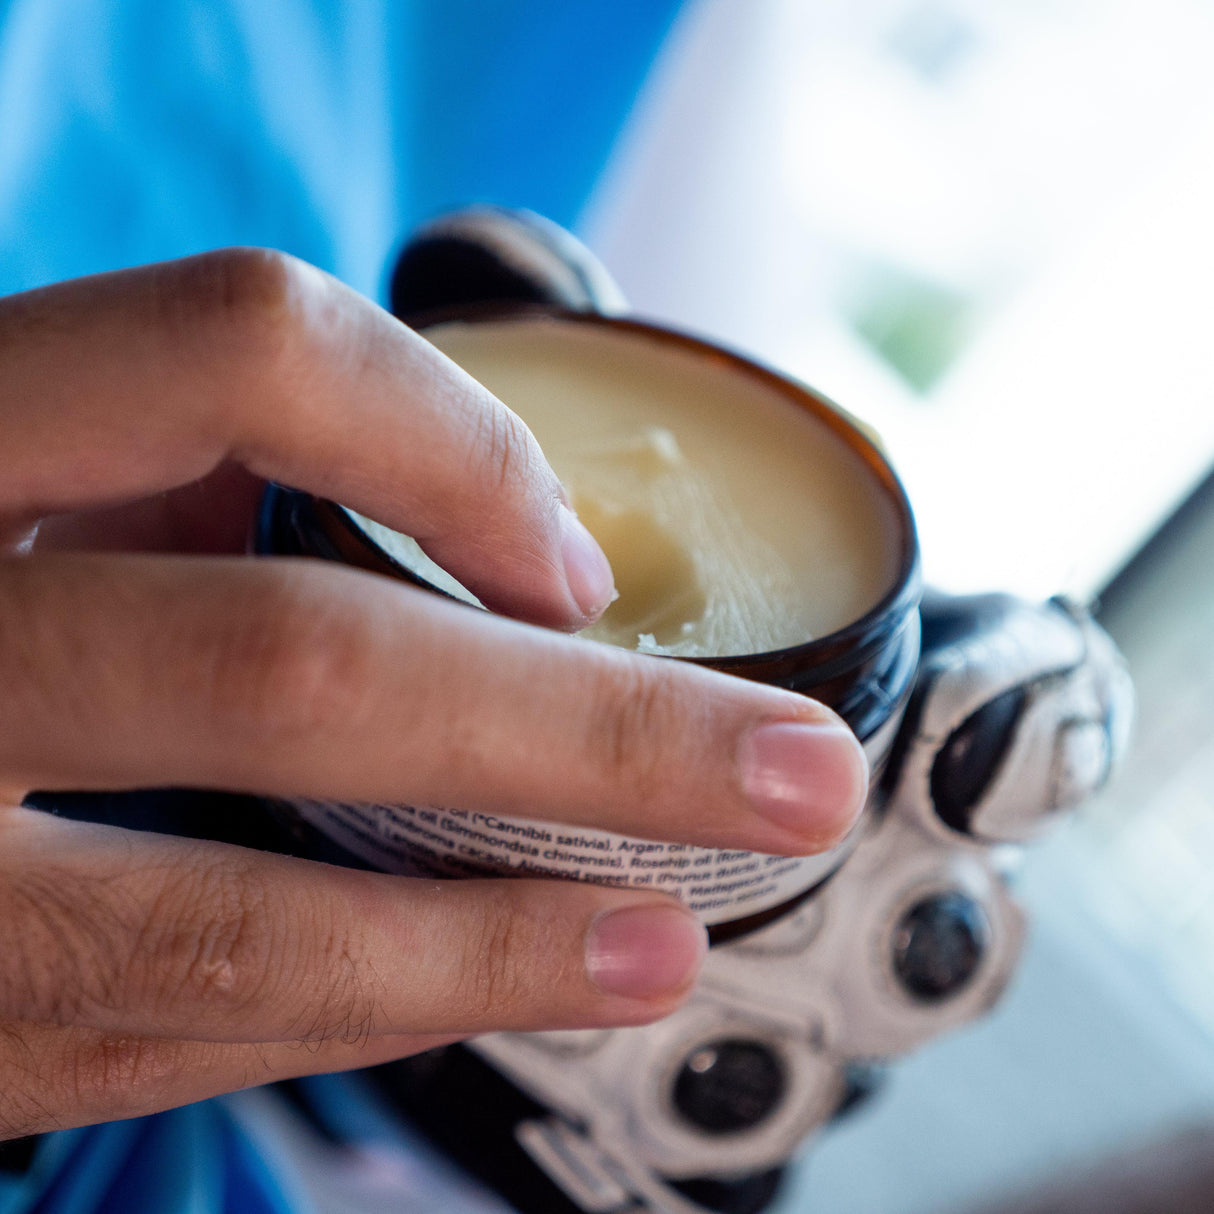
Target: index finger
x=131, y=383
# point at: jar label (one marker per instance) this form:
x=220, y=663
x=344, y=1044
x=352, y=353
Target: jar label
x=426, y=841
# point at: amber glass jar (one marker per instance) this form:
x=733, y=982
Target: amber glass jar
x=862, y=669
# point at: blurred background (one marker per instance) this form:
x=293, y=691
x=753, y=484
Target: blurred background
x=981, y=225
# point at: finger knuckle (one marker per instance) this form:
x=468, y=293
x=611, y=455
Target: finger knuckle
x=633, y=717
x=221, y=937
x=70, y=1077
x=246, y=301
x=288, y=662
x=62, y=953
x=502, y=453
x=494, y=974
x=26, y=1095
x=241, y=948
x=113, y=1077
x=236, y=948
x=105, y=1071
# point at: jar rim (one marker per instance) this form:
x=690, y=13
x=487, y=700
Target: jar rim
x=867, y=629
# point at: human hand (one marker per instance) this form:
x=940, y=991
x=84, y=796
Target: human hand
x=139, y=412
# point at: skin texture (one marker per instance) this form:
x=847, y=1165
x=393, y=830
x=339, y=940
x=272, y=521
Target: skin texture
x=140, y=413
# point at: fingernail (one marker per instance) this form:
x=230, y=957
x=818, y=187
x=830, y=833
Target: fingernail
x=587, y=571
x=811, y=779
x=642, y=952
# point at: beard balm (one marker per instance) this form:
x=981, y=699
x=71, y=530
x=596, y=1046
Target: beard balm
x=751, y=527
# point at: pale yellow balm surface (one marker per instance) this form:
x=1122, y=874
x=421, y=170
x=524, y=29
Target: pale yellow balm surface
x=735, y=521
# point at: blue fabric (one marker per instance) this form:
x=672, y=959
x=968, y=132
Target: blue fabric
x=137, y=130
x=249, y=1184
x=187, y=1161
